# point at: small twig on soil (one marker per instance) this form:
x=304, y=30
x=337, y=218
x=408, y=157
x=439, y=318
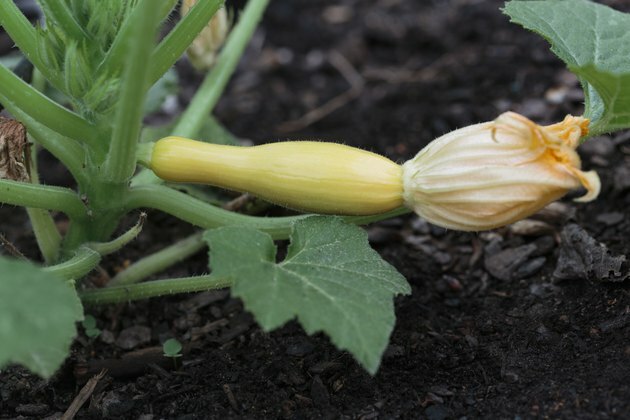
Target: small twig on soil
x=347, y=70
x=131, y=364
x=356, y=82
x=402, y=75
x=230, y=396
x=198, y=332
x=238, y=203
x=160, y=371
x=83, y=396
x=11, y=249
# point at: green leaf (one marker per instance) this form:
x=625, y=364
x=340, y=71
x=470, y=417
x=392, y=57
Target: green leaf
x=89, y=322
x=172, y=348
x=330, y=280
x=89, y=325
x=38, y=312
x=594, y=41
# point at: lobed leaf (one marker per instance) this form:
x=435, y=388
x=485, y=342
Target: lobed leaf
x=331, y=281
x=38, y=312
x=594, y=41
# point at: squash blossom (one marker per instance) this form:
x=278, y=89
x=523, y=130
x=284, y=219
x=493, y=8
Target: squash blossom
x=475, y=178
x=495, y=173
x=202, y=53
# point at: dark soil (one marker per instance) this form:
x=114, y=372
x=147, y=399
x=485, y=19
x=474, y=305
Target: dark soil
x=489, y=331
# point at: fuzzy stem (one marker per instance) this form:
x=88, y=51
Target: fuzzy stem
x=105, y=248
x=214, y=84
x=121, y=159
x=144, y=152
x=25, y=37
x=88, y=255
x=46, y=233
x=159, y=261
x=17, y=94
x=178, y=39
x=66, y=150
x=58, y=12
x=202, y=214
x=82, y=262
x=42, y=197
x=116, y=55
x=207, y=216
x=119, y=294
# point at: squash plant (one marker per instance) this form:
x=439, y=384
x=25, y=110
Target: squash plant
x=102, y=59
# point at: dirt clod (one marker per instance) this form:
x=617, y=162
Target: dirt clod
x=132, y=337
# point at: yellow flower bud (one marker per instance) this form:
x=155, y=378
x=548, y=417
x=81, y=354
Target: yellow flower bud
x=304, y=175
x=492, y=174
x=202, y=53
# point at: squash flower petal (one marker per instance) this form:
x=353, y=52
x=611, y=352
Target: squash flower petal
x=492, y=174
x=203, y=51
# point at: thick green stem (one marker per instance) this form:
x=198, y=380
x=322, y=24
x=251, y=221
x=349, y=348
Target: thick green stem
x=46, y=233
x=88, y=231
x=159, y=261
x=38, y=81
x=150, y=289
x=117, y=53
x=121, y=159
x=207, y=216
x=25, y=37
x=178, y=39
x=105, y=248
x=212, y=87
x=42, y=197
x=144, y=152
x=68, y=151
x=17, y=94
x=44, y=227
x=202, y=214
x=58, y=13
x=105, y=202
x=82, y=262
x=88, y=255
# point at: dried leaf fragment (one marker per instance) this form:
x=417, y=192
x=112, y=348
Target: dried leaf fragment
x=14, y=151
x=582, y=258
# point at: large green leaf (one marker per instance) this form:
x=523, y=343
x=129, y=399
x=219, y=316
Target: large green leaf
x=330, y=280
x=38, y=312
x=594, y=41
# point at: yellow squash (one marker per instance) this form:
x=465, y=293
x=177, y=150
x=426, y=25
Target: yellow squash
x=310, y=176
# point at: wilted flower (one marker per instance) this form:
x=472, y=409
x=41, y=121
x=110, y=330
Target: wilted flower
x=491, y=174
x=202, y=53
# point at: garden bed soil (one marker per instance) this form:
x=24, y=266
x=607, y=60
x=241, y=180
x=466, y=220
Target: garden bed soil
x=490, y=330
